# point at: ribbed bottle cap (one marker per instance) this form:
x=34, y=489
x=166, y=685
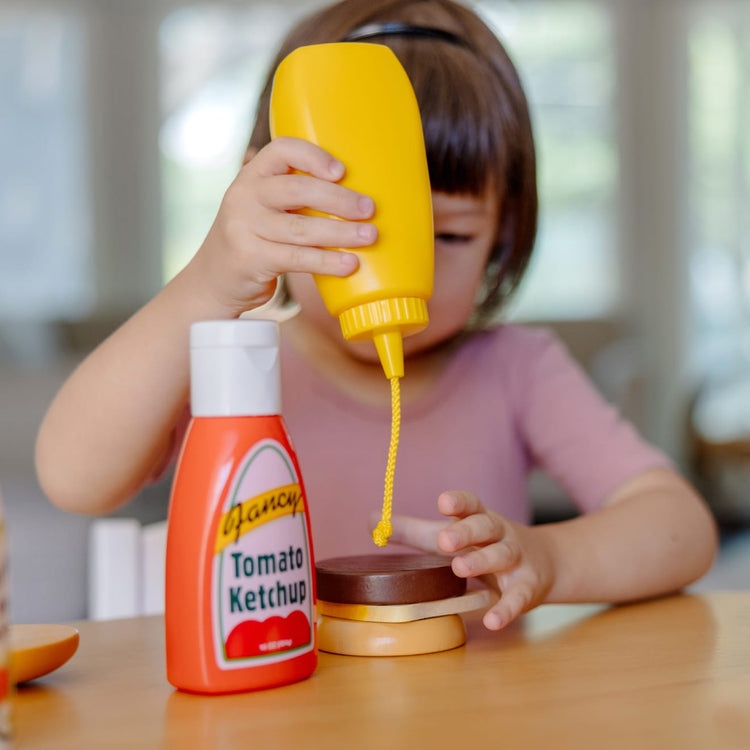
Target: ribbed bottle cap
x=405, y=314
x=234, y=368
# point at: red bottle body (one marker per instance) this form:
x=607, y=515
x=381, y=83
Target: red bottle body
x=240, y=584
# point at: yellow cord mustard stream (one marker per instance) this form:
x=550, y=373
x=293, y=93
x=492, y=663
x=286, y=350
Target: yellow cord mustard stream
x=384, y=529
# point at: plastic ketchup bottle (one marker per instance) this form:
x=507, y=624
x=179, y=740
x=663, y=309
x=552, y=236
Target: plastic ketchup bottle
x=240, y=591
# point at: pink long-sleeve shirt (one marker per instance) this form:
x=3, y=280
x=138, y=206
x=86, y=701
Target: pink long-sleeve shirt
x=510, y=400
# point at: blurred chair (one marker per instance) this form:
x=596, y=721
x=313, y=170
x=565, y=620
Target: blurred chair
x=718, y=433
x=126, y=568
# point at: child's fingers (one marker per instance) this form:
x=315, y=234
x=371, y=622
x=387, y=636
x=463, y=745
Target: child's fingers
x=478, y=529
x=316, y=231
x=414, y=532
x=459, y=504
x=290, y=192
x=494, y=558
x=513, y=602
x=281, y=258
x=286, y=154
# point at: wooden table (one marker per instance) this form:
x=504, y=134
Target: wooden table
x=670, y=673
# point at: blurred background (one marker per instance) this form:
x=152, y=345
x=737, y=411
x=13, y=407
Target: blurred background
x=123, y=121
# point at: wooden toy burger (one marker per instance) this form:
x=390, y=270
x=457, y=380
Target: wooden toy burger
x=392, y=605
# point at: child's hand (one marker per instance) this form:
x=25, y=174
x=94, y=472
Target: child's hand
x=257, y=235
x=512, y=558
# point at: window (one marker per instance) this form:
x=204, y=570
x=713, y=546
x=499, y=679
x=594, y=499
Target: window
x=214, y=63
x=45, y=233
x=565, y=55
x=719, y=183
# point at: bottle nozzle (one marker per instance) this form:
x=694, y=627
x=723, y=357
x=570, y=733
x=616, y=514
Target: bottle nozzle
x=387, y=321
x=390, y=346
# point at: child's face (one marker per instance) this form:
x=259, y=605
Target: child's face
x=465, y=232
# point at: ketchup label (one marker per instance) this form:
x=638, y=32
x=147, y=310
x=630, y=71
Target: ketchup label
x=261, y=583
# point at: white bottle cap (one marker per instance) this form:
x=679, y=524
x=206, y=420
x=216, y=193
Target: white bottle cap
x=234, y=368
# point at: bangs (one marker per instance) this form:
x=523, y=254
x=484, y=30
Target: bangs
x=458, y=98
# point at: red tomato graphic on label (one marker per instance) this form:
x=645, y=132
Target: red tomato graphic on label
x=255, y=638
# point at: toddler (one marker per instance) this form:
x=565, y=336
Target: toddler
x=483, y=402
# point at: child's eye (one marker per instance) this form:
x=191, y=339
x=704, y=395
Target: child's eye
x=453, y=239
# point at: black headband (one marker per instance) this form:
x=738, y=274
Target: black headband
x=396, y=28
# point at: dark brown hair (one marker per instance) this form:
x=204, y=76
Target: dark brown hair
x=475, y=118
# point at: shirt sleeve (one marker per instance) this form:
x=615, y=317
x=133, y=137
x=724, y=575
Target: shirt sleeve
x=571, y=432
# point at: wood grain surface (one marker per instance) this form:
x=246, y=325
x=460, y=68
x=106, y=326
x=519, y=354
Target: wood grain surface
x=669, y=673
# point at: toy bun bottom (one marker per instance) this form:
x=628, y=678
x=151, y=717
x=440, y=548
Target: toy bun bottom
x=361, y=638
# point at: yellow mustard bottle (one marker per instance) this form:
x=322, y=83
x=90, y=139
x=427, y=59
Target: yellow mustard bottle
x=355, y=100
